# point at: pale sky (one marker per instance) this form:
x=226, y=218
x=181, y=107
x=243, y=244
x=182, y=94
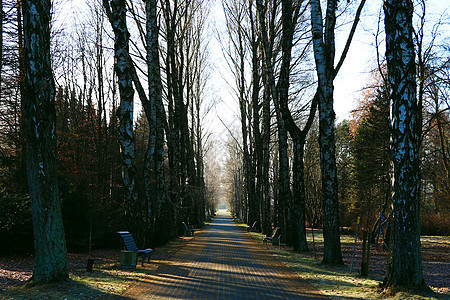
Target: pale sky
x=354, y=73
x=352, y=77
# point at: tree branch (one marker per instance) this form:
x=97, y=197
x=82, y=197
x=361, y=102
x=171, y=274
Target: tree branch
x=350, y=37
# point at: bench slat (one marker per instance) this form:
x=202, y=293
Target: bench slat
x=130, y=245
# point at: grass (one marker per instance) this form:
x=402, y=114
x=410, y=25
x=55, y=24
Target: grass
x=107, y=281
x=336, y=281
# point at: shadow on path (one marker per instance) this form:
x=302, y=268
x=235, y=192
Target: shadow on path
x=223, y=262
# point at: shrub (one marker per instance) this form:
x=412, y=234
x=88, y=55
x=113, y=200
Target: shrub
x=435, y=224
x=16, y=229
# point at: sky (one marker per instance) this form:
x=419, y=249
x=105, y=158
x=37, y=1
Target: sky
x=352, y=77
x=355, y=71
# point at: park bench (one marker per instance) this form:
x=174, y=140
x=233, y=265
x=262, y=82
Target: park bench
x=188, y=231
x=129, y=245
x=274, y=238
x=253, y=227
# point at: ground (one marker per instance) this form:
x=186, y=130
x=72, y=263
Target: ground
x=109, y=281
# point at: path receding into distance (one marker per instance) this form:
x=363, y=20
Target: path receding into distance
x=223, y=262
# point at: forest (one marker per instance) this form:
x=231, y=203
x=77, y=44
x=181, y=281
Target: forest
x=107, y=122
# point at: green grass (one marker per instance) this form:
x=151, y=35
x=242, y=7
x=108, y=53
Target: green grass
x=336, y=281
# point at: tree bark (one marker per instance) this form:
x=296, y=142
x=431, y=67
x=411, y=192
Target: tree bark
x=280, y=92
x=260, y=211
x=124, y=69
x=266, y=163
x=324, y=52
x=40, y=114
x=405, y=261
x=154, y=100
x=1, y=43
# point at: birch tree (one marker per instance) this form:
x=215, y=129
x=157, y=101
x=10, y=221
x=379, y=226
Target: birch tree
x=155, y=116
x=267, y=27
x=1, y=43
x=324, y=55
x=236, y=55
x=280, y=94
x=405, y=260
x=123, y=67
x=40, y=114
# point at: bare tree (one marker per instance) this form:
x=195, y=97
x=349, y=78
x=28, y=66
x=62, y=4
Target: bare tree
x=236, y=54
x=40, y=114
x=123, y=67
x=405, y=260
x=324, y=54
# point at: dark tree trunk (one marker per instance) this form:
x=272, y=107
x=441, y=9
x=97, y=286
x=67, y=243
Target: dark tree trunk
x=267, y=223
x=1, y=43
x=155, y=198
x=40, y=114
x=296, y=230
x=22, y=122
x=257, y=137
x=324, y=52
x=405, y=261
x=175, y=118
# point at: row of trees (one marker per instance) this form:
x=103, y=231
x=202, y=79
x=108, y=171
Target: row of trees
x=116, y=168
x=282, y=56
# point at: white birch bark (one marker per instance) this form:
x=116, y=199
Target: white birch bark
x=405, y=261
x=123, y=67
x=324, y=52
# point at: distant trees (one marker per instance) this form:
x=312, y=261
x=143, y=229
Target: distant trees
x=88, y=114
x=280, y=38
x=183, y=63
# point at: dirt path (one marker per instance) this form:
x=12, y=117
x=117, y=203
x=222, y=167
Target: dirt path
x=223, y=263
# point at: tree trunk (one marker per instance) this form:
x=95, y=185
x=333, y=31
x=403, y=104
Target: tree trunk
x=266, y=163
x=405, y=261
x=22, y=122
x=124, y=69
x=40, y=114
x=155, y=97
x=324, y=51
x=257, y=137
x=1, y=43
x=280, y=93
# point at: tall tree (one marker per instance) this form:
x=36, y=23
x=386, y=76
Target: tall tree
x=405, y=260
x=285, y=197
x=156, y=118
x=155, y=98
x=290, y=16
x=1, y=42
x=280, y=93
x=123, y=67
x=236, y=54
x=40, y=114
x=324, y=55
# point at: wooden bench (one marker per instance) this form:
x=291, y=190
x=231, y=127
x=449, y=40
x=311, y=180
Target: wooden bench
x=274, y=238
x=129, y=245
x=188, y=231
x=252, y=228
